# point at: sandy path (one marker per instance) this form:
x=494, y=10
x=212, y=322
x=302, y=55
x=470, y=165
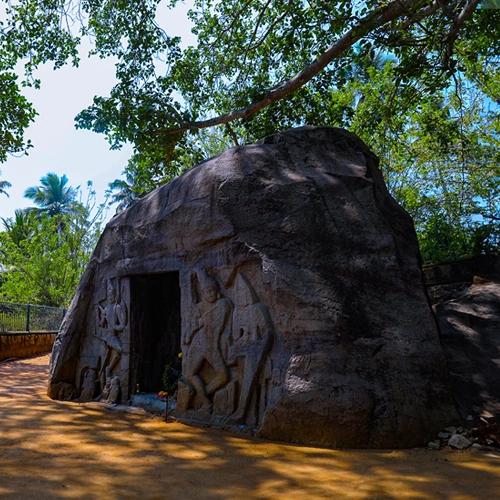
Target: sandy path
x=51, y=449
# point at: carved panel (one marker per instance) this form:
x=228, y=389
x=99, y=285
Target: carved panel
x=88, y=384
x=226, y=365
x=111, y=323
x=210, y=322
x=252, y=339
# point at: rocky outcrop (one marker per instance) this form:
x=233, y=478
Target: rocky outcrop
x=466, y=298
x=302, y=314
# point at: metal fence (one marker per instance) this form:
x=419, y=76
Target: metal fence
x=29, y=318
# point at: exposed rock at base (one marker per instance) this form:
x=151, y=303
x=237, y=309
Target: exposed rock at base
x=434, y=445
x=303, y=314
x=467, y=305
x=459, y=442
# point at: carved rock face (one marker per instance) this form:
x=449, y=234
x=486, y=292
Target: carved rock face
x=303, y=313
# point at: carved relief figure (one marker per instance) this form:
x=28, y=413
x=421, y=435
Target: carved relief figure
x=251, y=342
x=88, y=385
x=64, y=391
x=111, y=321
x=211, y=323
x=111, y=392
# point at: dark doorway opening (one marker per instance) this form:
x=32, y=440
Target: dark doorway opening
x=155, y=329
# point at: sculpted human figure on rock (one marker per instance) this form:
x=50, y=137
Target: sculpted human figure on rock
x=64, y=391
x=111, y=320
x=211, y=323
x=111, y=392
x=88, y=385
x=252, y=340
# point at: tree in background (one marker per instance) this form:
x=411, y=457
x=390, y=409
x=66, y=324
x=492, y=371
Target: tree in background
x=16, y=112
x=53, y=196
x=20, y=227
x=261, y=66
x=251, y=57
x=259, y=60
x=4, y=185
x=44, y=253
x=144, y=172
x=439, y=154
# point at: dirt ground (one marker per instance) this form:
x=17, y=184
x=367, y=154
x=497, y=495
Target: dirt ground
x=51, y=449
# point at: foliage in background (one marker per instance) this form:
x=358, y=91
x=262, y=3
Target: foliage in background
x=144, y=173
x=439, y=153
x=44, y=254
x=414, y=79
x=53, y=196
x=4, y=185
x=31, y=35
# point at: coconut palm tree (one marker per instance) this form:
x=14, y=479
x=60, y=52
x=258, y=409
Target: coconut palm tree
x=20, y=227
x=4, y=185
x=123, y=192
x=53, y=196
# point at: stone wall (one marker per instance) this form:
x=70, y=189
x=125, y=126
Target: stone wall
x=23, y=345
x=461, y=271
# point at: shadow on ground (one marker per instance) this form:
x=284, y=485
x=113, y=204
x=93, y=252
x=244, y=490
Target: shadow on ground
x=51, y=449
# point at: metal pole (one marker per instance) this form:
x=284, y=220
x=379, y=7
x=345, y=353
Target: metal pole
x=28, y=311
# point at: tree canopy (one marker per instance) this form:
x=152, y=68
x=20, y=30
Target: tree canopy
x=250, y=55
x=416, y=79
x=53, y=196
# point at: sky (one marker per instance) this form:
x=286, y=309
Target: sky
x=58, y=146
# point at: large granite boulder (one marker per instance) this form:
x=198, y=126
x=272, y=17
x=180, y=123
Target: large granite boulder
x=283, y=280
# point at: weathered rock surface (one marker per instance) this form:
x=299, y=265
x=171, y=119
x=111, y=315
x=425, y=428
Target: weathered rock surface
x=302, y=309
x=468, y=315
x=459, y=442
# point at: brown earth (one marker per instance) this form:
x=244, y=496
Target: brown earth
x=52, y=449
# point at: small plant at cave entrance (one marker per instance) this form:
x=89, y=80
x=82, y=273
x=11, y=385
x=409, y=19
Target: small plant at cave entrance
x=170, y=378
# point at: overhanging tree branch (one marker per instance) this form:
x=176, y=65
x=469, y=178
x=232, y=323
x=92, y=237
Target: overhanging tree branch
x=390, y=12
x=458, y=22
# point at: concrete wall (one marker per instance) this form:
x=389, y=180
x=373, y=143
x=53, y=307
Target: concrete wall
x=23, y=345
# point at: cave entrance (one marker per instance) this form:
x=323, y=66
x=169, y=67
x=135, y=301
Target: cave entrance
x=155, y=330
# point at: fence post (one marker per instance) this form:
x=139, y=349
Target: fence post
x=28, y=311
